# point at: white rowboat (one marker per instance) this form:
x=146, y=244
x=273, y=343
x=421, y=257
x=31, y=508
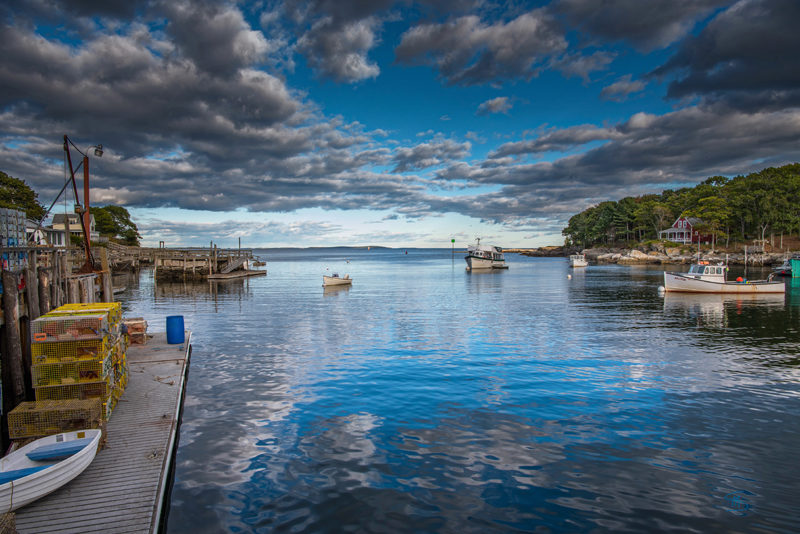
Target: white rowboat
x=335, y=280
x=43, y=466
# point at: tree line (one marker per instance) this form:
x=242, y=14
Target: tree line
x=113, y=222
x=754, y=206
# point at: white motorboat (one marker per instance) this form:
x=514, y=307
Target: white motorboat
x=44, y=465
x=785, y=269
x=578, y=260
x=705, y=278
x=484, y=257
x=336, y=280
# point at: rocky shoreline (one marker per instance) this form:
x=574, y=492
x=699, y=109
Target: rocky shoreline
x=657, y=254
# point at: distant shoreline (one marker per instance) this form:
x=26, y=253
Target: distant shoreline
x=657, y=255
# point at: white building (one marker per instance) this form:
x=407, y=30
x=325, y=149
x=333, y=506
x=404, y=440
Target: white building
x=60, y=220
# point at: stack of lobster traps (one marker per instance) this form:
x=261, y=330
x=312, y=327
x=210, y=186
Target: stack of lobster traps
x=79, y=370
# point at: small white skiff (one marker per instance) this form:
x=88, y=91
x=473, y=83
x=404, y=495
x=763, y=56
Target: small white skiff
x=578, y=260
x=705, y=278
x=336, y=280
x=43, y=466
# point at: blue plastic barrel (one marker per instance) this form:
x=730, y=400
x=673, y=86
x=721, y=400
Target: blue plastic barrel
x=175, y=329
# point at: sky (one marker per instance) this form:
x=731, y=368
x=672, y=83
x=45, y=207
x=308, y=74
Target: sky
x=391, y=123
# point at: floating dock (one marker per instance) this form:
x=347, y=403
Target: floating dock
x=236, y=274
x=126, y=488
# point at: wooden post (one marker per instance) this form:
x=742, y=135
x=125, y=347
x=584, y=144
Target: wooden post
x=13, y=340
x=44, y=290
x=59, y=287
x=32, y=288
x=104, y=260
x=73, y=290
x=85, y=288
x=107, y=288
x=67, y=265
x=55, y=280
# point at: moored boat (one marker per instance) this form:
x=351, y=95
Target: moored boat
x=705, y=278
x=484, y=257
x=785, y=269
x=578, y=260
x=44, y=465
x=336, y=280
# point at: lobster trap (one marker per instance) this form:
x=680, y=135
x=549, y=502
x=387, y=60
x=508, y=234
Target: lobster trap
x=60, y=351
x=42, y=418
x=113, y=310
x=98, y=389
x=79, y=353
x=69, y=327
x=72, y=372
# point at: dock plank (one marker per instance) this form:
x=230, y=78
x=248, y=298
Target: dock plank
x=123, y=489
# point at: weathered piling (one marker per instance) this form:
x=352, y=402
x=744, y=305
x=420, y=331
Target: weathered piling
x=12, y=348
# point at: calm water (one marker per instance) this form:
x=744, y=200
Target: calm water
x=428, y=399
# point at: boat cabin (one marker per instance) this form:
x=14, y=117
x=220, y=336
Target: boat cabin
x=708, y=272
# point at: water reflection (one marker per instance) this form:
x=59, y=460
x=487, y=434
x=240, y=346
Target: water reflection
x=712, y=310
x=431, y=399
x=334, y=291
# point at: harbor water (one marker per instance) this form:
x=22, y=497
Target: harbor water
x=425, y=398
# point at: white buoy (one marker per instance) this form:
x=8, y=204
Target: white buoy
x=661, y=290
x=569, y=277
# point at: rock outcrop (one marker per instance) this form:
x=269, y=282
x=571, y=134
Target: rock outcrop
x=657, y=254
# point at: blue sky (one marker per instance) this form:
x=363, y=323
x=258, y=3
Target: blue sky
x=394, y=123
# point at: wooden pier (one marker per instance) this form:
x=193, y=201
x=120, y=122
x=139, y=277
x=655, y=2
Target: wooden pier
x=126, y=488
x=186, y=263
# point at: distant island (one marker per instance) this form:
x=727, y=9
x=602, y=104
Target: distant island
x=346, y=247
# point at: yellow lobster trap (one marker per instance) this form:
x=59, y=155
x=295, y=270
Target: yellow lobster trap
x=42, y=418
x=72, y=372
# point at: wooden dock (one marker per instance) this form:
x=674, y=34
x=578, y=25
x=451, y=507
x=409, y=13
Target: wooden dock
x=236, y=274
x=126, y=486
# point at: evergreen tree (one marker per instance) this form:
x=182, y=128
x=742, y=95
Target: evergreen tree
x=115, y=222
x=15, y=194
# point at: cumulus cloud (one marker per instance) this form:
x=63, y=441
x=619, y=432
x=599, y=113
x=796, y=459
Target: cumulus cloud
x=187, y=100
x=557, y=140
x=337, y=37
x=582, y=65
x=214, y=37
x=645, y=150
x=501, y=104
x=621, y=89
x=340, y=51
x=646, y=25
x=744, y=58
x=429, y=155
x=182, y=233
x=468, y=51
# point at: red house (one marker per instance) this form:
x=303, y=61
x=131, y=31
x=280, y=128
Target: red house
x=683, y=231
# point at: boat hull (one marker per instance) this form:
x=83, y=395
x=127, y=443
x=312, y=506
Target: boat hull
x=475, y=263
x=25, y=490
x=578, y=262
x=687, y=284
x=328, y=281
